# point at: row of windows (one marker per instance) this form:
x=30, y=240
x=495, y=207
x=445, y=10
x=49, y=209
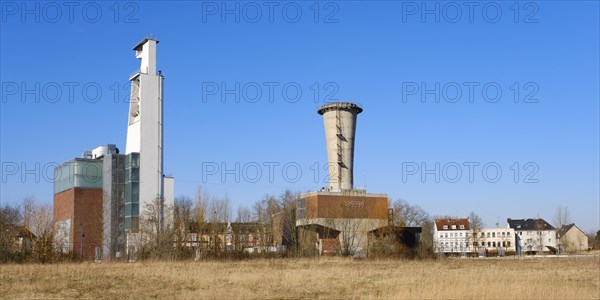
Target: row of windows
x=531, y=232
x=483, y=234
x=475, y=244
x=454, y=226
x=532, y=240
x=453, y=234
x=494, y=244
x=494, y=234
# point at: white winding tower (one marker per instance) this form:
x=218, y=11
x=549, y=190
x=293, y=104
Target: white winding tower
x=145, y=128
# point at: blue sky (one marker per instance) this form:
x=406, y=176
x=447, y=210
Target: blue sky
x=382, y=55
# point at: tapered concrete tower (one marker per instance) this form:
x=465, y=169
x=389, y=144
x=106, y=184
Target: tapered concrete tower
x=340, y=128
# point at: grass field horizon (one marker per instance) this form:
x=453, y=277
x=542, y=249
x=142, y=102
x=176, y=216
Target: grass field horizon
x=325, y=278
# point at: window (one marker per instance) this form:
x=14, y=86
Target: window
x=508, y=233
x=302, y=208
x=549, y=240
x=489, y=244
x=453, y=226
x=493, y=234
x=488, y=234
x=494, y=244
x=520, y=232
x=441, y=235
x=445, y=226
x=462, y=226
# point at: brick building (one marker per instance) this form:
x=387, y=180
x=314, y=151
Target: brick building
x=78, y=207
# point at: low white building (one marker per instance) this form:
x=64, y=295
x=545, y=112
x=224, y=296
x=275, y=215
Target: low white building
x=498, y=241
x=452, y=236
x=533, y=236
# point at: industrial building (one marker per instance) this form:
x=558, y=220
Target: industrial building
x=338, y=218
x=100, y=198
x=78, y=196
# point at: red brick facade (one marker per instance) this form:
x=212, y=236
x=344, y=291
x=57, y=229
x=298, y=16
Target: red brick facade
x=83, y=207
x=344, y=206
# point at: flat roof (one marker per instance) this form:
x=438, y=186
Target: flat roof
x=343, y=193
x=139, y=45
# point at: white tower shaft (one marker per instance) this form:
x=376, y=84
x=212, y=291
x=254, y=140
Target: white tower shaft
x=145, y=126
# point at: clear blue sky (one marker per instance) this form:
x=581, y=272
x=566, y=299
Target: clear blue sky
x=380, y=55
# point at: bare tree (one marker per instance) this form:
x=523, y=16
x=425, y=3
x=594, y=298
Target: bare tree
x=183, y=212
x=408, y=215
x=244, y=214
x=426, y=246
x=10, y=218
x=37, y=218
x=351, y=235
x=476, y=225
x=562, y=216
x=201, y=214
x=219, y=209
x=29, y=210
x=288, y=230
x=260, y=212
x=155, y=237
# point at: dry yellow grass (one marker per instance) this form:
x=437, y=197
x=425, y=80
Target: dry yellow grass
x=329, y=278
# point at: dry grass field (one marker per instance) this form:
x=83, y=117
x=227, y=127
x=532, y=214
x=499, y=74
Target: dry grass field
x=327, y=278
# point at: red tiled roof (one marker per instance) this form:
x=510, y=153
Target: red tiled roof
x=439, y=224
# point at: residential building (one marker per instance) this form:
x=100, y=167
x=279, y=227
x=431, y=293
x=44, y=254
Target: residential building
x=533, y=236
x=571, y=239
x=493, y=241
x=253, y=237
x=452, y=236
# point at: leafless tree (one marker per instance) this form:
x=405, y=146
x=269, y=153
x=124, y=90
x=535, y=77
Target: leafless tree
x=183, y=213
x=408, y=215
x=155, y=237
x=426, y=245
x=244, y=214
x=350, y=226
x=288, y=230
x=37, y=218
x=538, y=239
x=10, y=218
x=562, y=216
x=476, y=225
x=219, y=209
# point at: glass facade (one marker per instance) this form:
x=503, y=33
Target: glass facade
x=78, y=172
x=301, y=208
x=132, y=192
